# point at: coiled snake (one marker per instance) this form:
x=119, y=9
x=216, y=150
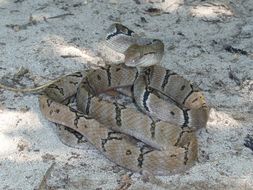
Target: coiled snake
x=155, y=132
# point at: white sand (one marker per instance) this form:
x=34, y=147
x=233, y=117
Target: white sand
x=195, y=34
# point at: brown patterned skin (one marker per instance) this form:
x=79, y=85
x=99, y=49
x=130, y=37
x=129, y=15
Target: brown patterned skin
x=156, y=131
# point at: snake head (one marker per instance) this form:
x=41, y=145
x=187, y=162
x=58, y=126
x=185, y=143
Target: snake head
x=144, y=53
x=133, y=55
x=117, y=29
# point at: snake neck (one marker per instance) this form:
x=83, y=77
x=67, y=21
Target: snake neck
x=141, y=70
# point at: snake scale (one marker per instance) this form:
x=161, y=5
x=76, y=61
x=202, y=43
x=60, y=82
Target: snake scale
x=155, y=131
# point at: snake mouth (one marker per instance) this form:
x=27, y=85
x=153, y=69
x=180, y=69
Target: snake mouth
x=132, y=61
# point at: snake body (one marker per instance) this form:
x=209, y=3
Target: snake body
x=156, y=131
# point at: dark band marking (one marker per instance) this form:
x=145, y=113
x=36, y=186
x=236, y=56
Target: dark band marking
x=90, y=89
x=186, y=118
x=188, y=94
x=120, y=29
x=79, y=136
x=74, y=83
x=152, y=128
x=143, y=151
x=87, y=107
x=108, y=138
x=166, y=78
x=136, y=76
x=108, y=73
x=86, y=85
x=165, y=97
x=69, y=100
x=77, y=74
x=49, y=102
x=179, y=138
x=186, y=147
x=118, y=114
x=145, y=98
x=138, y=108
x=53, y=86
x=77, y=114
x=181, y=135
x=148, y=75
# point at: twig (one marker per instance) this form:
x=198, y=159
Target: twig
x=235, y=50
x=59, y=16
x=233, y=77
x=42, y=7
x=69, y=56
x=18, y=27
x=37, y=89
x=43, y=183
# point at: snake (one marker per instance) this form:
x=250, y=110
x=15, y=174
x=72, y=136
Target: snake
x=150, y=120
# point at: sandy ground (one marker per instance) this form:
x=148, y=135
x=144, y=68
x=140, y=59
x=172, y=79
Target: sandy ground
x=208, y=42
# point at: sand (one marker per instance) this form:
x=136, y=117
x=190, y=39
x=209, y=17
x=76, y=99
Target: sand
x=208, y=42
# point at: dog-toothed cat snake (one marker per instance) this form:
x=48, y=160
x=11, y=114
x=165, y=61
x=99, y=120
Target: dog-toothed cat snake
x=156, y=131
